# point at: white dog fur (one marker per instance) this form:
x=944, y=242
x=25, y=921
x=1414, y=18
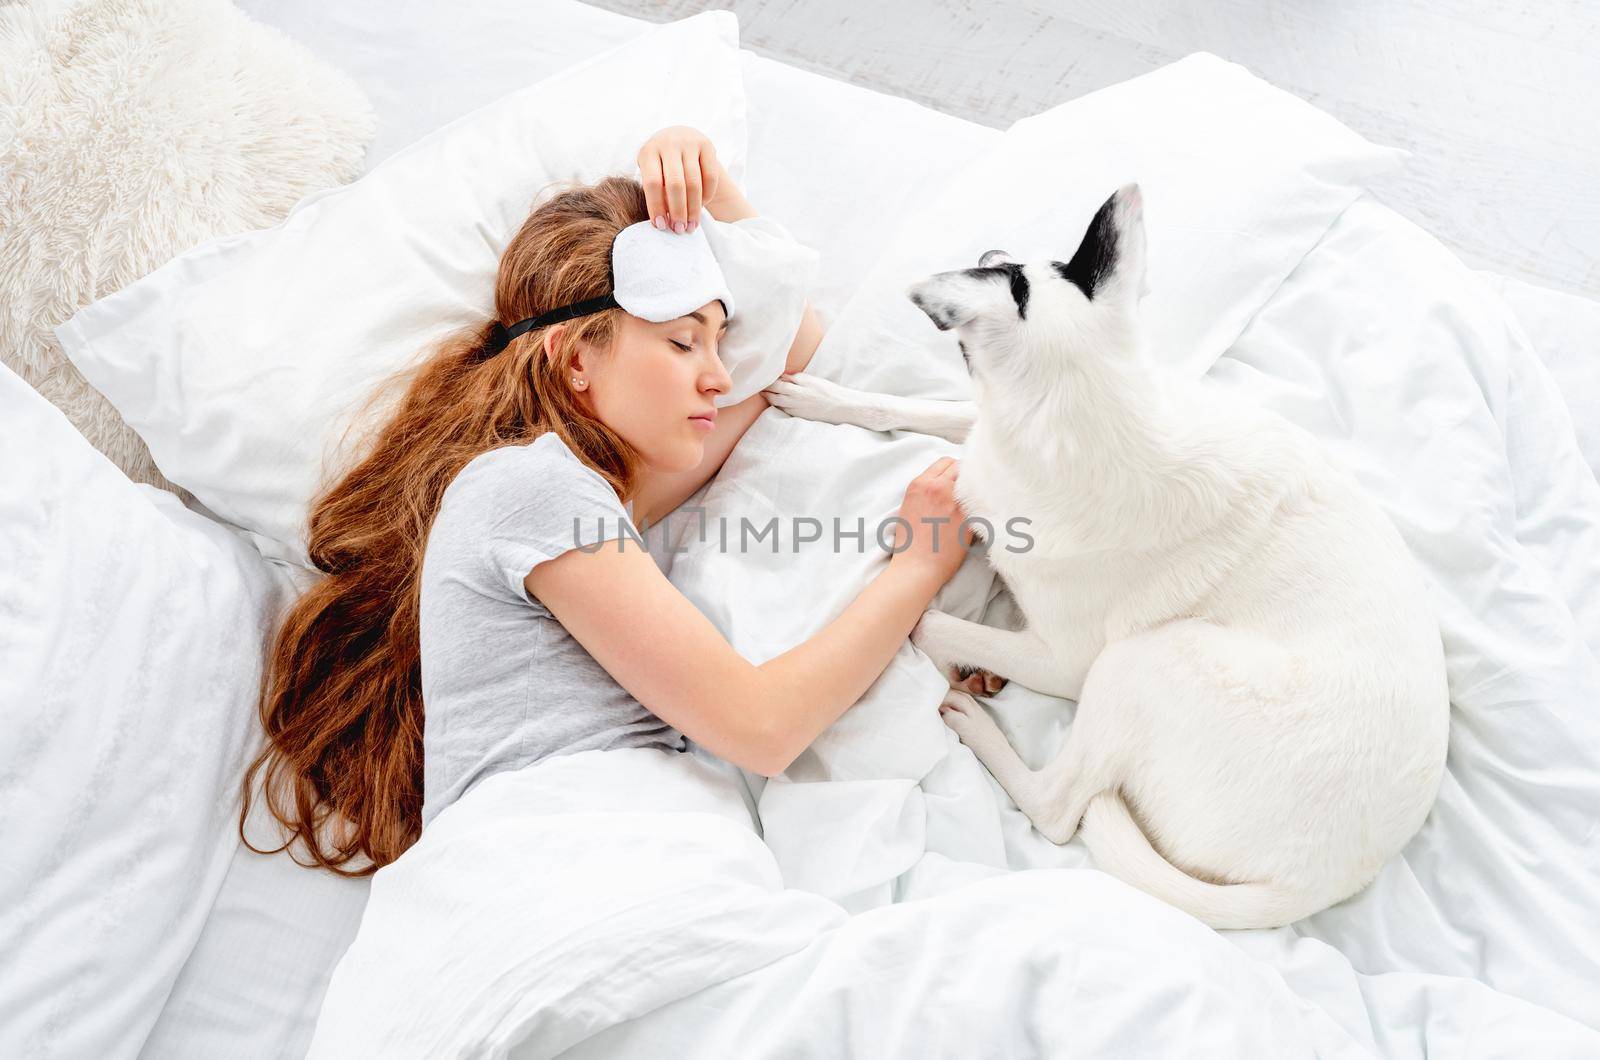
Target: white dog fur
x=1262, y=708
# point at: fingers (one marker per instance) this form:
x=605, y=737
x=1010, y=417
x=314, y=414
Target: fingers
x=672, y=169
x=691, y=188
x=654, y=181
x=941, y=476
x=679, y=170
x=710, y=174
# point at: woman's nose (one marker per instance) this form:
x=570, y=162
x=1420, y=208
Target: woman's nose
x=718, y=378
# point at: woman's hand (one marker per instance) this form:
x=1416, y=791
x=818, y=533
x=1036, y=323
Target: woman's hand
x=932, y=496
x=680, y=172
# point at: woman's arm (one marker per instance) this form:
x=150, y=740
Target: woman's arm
x=729, y=204
x=657, y=645
x=806, y=341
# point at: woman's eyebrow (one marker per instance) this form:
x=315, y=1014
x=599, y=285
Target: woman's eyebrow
x=702, y=318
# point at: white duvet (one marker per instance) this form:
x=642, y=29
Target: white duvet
x=623, y=903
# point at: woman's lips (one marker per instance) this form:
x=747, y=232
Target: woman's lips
x=708, y=422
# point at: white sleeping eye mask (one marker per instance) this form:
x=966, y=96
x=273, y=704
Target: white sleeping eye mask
x=663, y=275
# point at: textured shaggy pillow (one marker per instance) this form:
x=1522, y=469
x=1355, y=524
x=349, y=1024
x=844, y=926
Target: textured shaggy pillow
x=130, y=131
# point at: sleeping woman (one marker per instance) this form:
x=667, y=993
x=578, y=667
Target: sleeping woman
x=468, y=624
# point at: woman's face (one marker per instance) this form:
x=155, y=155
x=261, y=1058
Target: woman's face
x=654, y=383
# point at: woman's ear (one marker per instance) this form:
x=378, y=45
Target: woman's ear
x=550, y=341
x=580, y=352
x=585, y=358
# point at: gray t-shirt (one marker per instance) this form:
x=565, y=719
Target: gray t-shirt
x=503, y=682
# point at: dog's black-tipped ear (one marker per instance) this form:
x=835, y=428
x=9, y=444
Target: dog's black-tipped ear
x=1097, y=254
x=952, y=299
x=944, y=314
x=1112, y=254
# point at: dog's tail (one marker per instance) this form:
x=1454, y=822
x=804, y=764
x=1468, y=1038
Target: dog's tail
x=1120, y=848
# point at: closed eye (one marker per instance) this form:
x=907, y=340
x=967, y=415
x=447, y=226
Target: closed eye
x=681, y=346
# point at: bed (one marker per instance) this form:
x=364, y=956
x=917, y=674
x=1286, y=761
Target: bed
x=944, y=925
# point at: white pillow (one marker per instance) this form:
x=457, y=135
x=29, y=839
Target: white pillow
x=242, y=362
x=1240, y=180
x=131, y=645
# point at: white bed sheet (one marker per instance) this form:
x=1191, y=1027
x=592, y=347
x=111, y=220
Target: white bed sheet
x=1565, y=330
x=229, y=1001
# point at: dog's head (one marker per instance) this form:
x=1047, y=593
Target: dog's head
x=1006, y=314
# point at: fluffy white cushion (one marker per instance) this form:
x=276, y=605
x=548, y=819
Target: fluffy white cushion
x=1240, y=180
x=132, y=634
x=131, y=130
x=244, y=362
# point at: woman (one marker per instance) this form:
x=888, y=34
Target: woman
x=453, y=580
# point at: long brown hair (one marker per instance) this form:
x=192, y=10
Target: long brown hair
x=341, y=697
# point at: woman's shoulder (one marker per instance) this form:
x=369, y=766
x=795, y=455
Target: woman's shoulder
x=548, y=448
x=547, y=455
x=543, y=471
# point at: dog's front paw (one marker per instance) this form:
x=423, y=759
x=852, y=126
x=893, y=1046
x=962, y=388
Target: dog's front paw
x=811, y=397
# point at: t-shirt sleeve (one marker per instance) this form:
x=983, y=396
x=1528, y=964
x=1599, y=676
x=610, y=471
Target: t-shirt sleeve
x=535, y=503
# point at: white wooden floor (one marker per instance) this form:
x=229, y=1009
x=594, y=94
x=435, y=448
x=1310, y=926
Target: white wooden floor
x=1500, y=102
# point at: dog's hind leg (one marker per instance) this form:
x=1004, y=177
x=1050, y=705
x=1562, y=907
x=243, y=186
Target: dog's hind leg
x=1016, y=655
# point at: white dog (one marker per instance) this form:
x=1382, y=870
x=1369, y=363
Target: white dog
x=1262, y=709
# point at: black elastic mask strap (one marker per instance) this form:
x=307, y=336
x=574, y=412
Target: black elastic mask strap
x=501, y=336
